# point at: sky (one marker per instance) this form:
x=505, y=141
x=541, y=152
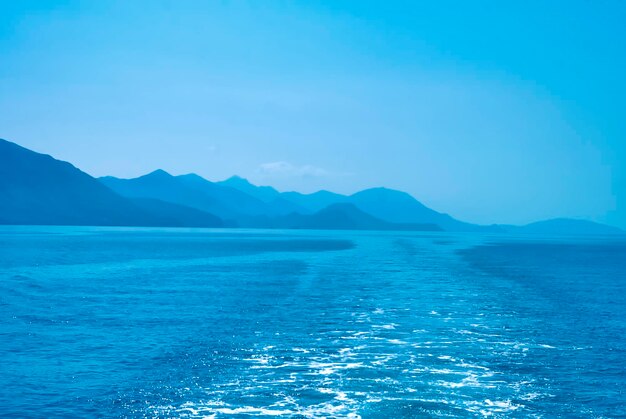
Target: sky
x=493, y=112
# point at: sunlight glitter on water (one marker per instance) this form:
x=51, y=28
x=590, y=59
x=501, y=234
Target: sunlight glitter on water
x=162, y=324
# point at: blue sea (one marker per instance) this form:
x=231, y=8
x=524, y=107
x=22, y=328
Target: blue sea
x=130, y=322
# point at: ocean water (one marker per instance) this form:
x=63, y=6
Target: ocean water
x=122, y=322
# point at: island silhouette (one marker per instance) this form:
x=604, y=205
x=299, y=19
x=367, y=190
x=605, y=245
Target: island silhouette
x=37, y=189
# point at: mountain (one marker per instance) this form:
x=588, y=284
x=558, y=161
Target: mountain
x=400, y=207
x=276, y=203
x=386, y=204
x=272, y=209
x=565, y=226
x=38, y=189
x=315, y=201
x=189, y=191
x=194, y=191
x=231, y=202
x=168, y=214
x=344, y=216
x=264, y=193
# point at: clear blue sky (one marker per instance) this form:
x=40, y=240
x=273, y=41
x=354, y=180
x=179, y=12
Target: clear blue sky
x=502, y=112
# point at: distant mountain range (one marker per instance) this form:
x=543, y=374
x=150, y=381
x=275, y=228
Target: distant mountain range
x=38, y=189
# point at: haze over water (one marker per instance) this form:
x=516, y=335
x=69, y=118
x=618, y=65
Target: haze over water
x=139, y=322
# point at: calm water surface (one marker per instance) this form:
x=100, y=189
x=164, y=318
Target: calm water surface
x=215, y=323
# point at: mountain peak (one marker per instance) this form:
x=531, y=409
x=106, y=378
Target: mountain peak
x=568, y=226
x=382, y=191
x=193, y=176
x=263, y=193
x=236, y=179
x=158, y=173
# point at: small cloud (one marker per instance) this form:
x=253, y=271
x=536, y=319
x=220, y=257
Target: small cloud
x=276, y=167
x=284, y=168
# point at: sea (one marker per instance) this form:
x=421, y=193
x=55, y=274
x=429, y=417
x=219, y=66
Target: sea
x=143, y=323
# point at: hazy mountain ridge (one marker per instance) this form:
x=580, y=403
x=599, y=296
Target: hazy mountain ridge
x=385, y=204
x=194, y=191
x=247, y=205
x=340, y=216
x=564, y=226
x=38, y=189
